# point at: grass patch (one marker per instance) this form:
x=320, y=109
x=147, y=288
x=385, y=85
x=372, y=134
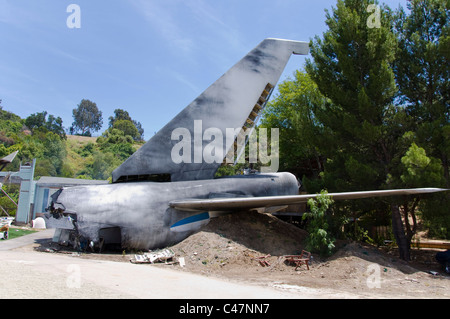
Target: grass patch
x=17, y=232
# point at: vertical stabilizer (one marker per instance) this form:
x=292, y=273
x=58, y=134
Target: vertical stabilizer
x=232, y=102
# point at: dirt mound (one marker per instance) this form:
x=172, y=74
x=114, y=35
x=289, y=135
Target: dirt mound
x=237, y=239
x=263, y=233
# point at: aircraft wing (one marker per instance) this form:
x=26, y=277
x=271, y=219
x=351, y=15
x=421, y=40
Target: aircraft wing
x=9, y=158
x=243, y=203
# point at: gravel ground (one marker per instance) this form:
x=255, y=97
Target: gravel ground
x=27, y=273
x=220, y=263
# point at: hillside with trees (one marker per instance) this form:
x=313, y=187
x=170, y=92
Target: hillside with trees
x=42, y=136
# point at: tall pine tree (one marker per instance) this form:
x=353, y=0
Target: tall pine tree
x=422, y=69
x=352, y=66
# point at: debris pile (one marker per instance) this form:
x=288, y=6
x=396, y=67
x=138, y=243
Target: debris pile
x=165, y=256
x=4, y=232
x=5, y=223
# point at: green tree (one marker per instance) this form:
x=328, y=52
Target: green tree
x=319, y=238
x=45, y=167
x=9, y=206
x=119, y=114
x=352, y=67
x=419, y=170
x=127, y=127
x=54, y=150
x=6, y=115
x=102, y=165
x=54, y=124
x=10, y=129
x=87, y=118
x=36, y=120
x=122, y=115
x=292, y=112
x=29, y=148
x=11, y=126
x=140, y=136
x=116, y=142
x=39, y=120
x=416, y=169
x=422, y=71
x=67, y=170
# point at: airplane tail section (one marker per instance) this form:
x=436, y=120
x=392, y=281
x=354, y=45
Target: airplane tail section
x=193, y=144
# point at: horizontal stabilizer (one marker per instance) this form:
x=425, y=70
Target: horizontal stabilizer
x=230, y=204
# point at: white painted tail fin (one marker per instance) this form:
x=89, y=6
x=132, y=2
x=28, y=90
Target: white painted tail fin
x=232, y=102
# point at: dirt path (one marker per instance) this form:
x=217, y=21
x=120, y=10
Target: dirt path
x=31, y=274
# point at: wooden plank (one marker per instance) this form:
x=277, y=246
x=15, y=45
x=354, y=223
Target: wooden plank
x=430, y=244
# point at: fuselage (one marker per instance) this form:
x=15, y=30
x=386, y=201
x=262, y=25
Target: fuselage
x=142, y=213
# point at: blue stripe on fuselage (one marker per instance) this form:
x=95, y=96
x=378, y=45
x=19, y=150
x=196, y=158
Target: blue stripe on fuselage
x=191, y=219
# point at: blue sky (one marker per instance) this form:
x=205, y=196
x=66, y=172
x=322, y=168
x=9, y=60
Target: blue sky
x=149, y=57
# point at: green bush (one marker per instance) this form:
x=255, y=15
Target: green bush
x=319, y=239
